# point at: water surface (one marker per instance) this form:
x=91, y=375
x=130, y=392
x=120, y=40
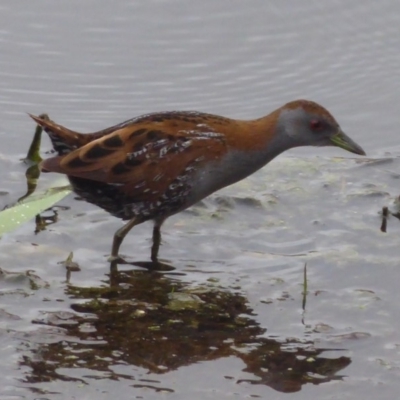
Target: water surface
x=247, y=330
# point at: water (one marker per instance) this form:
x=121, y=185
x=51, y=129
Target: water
x=241, y=252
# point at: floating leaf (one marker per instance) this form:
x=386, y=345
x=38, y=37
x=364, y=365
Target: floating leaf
x=12, y=217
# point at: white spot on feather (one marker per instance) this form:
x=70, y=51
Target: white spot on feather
x=163, y=151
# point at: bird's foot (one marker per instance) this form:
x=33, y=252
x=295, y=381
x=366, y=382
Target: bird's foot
x=116, y=259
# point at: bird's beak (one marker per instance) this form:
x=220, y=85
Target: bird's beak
x=340, y=139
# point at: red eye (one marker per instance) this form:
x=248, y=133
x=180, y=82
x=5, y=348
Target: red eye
x=315, y=125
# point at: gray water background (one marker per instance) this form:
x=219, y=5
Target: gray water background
x=92, y=64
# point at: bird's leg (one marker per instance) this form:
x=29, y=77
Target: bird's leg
x=156, y=240
x=120, y=235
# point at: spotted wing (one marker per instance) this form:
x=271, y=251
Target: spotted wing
x=143, y=160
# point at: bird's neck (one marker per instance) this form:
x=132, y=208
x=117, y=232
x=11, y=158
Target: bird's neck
x=256, y=142
x=251, y=145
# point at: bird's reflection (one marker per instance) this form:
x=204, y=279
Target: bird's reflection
x=152, y=320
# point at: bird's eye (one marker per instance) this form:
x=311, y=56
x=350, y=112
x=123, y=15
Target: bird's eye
x=315, y=125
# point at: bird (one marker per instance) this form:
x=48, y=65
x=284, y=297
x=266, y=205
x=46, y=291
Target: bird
x=159, y=164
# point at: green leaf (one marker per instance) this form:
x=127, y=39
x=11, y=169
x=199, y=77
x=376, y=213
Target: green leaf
x=23, y=211
x=34, y=149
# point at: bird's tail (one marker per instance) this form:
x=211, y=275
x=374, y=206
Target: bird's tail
x=63, y=140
